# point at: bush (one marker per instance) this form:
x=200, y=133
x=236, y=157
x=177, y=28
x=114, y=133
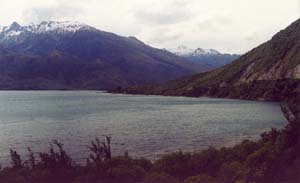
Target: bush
x=177, y=164
x=55, y=160
x=203, y=178
x=16, y=160
x=160, y=178
x=231, y=172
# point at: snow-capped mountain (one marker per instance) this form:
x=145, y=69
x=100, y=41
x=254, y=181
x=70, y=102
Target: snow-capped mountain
x=208, y=58
x=186, y=51
x=15, y=30
x=200, y=51
x=181, y=50
x=64, y=55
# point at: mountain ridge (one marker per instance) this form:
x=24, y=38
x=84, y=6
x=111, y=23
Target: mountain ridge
x=68, y=55
x=207, y=58
x=46, y=26
x=183, y=50
x=268, y=72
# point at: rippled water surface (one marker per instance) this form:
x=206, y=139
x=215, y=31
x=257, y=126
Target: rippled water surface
x=142, y=125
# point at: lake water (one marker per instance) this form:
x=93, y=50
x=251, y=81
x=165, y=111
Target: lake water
x=142, y=125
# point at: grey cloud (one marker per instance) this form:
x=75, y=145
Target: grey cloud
x=219, y=22
x=172, y=12
x=162, y=36
x=232, y=25
x=252, y=38
x=158, y=18
x=57, y=12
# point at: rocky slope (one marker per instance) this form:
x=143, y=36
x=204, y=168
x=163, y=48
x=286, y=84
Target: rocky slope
x=269, y=72
x=71, y=55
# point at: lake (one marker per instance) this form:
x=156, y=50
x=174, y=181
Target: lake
x=147, y=126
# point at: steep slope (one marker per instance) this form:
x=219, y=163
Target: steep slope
x=270, y=71
x=83, y=57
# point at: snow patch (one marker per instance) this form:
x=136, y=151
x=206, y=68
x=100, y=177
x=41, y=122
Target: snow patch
x=12, y=34
x=181, y=50
x=15, y=29
x=59, y=27
x=186, y=51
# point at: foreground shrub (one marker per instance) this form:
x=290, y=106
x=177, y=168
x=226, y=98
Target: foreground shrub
x=177, y=164
x=231, y=172
x=160, y=178
x=16, y=161
x=200, y=179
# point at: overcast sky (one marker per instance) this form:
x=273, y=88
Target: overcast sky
x=233, y=26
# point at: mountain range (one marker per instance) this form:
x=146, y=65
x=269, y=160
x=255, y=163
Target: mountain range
x=269, y=72
x=72, y=55
x=208, y=58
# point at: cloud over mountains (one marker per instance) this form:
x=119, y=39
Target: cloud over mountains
x=233, y=26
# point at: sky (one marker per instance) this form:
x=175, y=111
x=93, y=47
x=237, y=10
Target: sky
x=230, y=26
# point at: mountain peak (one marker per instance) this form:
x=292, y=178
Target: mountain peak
x=59, y=27
x=71, y=55
x=183, y=50
x=200, y=51
x=15, y=26
x=16, y=29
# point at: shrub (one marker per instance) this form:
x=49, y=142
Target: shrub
x=159, y=178
x=55, y=160
x=100, y=151
x=207, y=162
x=177, y=164
x=203, y=178
x=231, y=172
x=16, y=160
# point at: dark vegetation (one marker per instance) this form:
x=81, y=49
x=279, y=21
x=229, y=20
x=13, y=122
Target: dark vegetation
x=269, y=90
x=275, y=158
x=212, y=61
